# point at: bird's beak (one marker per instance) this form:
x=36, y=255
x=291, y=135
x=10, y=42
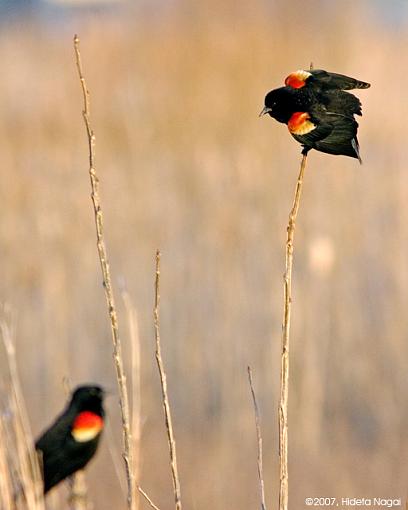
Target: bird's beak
x=265, y=109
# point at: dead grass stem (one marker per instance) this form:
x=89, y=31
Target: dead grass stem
x=135, y=383
x=259, y=440
x=103, y=258
x=163, y=383
x=284, y=374
x=22, y=482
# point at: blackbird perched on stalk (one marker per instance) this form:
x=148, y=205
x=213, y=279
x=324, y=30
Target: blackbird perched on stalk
x=318, y=111
x=72, y=440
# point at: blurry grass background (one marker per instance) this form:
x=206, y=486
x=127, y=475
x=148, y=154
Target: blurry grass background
x=187, y=166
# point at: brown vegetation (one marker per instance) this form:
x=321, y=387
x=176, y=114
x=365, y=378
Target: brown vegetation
x=186, y=165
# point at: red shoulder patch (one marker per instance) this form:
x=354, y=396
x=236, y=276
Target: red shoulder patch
x=86, y=426
x=87, y=419
x=300, y=123
x=297, y=79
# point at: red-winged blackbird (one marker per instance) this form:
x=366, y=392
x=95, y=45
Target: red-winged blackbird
x=318, y=111
x=71, y=441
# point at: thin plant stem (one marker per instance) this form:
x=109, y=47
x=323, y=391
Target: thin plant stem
x=103, y=258
x=259, y=439
x=135, y=384
x=6, y=482
x=163, y=383
x=29, y=470
x=142, y=492
x=284, y=374
x=78, y=492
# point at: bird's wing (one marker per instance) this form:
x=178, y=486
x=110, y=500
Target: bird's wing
x=336, y=81
x=343, y=137
x=298, y=79
x=307, y=128
x=334, y=134
x=56, y=434
x=323, y=79
x=340, y=102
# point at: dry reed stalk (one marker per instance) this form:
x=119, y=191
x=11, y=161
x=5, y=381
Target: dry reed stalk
x=163, y=383
x=115, y=456
x=28, y=483
x=284, y=374
x=259, y=439
x=115, y=459
x=78, y=492
x=135, y=383
x=142, y=492
x=103, y=258
x=6, y=491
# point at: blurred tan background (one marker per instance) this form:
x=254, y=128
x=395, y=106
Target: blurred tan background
x=187, y=166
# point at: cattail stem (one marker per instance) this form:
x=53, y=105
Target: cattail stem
x=284, y=375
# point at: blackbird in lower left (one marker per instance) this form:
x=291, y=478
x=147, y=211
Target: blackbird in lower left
x=72, y=440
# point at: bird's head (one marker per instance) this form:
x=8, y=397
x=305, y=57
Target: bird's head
x=278, y=104
x=88, y=398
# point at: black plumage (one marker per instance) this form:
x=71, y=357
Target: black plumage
x=61, y=450
x=318, y=110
